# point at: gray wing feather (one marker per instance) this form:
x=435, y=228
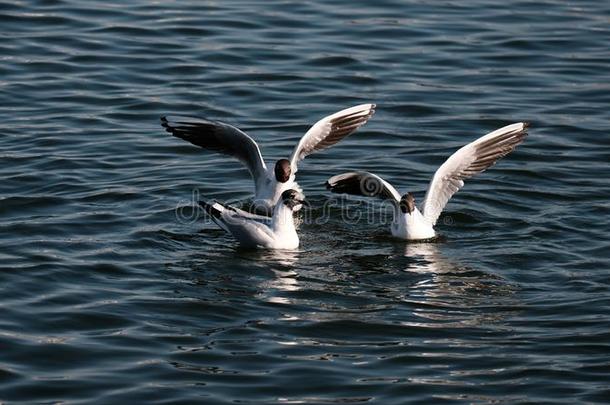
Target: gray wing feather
x=330, y=130
x=218, y=137
x=364, y=184
x=468, y=161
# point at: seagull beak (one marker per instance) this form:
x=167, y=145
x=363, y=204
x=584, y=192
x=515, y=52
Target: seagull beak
x=300, y=201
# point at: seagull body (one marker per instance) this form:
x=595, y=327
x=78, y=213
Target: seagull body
x=409, y=222
x=269, y=183
x=251, y=230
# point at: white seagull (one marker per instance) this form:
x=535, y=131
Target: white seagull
x=251, y=230
x=269, y=183
x=409, y=222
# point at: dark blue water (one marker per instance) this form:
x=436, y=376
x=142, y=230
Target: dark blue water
x=110, y=291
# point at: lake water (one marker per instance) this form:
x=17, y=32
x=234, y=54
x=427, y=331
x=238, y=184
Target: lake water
x=114, y=290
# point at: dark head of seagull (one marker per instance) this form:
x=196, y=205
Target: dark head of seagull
x=282, y=170
x=293, y=199
x=407, y=203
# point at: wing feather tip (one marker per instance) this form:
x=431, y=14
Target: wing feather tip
x=164, y=122
x=210, y=208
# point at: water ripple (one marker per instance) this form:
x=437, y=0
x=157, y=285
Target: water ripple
x=108, y=294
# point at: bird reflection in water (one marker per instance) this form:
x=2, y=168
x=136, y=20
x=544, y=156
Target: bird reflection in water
x=281, y=263
x=456, y=293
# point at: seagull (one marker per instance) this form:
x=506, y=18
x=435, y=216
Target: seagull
x=409, y=222
x=256, y=231
x=269, y=183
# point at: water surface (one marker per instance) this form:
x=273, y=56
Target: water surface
x=110, y=291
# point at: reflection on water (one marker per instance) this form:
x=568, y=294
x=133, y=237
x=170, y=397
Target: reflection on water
x=96, y=252
x=283, y=278
x=426, y=258
x=429, y=290
x=283, y=281
x=283, y=259
x=452, y=292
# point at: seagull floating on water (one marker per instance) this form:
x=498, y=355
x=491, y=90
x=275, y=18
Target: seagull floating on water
x=269, y=183
x=409, y=222
x=251, y=230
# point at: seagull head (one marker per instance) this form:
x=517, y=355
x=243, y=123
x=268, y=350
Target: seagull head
x=407, y=203
x=282, y=170
x=293, y=199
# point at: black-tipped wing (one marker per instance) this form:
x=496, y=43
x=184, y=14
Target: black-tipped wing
x=363, y=183
x=468, y=161
x=247, y=229
x=330, y=130
x=218, y=137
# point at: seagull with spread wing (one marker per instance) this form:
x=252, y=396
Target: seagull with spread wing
x=271, y=182
x=409, y=222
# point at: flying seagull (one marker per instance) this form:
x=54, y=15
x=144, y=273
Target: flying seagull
x=409, y=222
x=250, y=230
x=269, y=183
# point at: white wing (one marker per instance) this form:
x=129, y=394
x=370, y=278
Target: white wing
x=246, y=215
x=248, y=229
x=363, y=183
x=468, y=161
x=219, y=137
x=330, y=130
x=251, y=233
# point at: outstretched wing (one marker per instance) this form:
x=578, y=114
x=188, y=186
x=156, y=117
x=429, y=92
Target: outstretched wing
x=363, y=183
x=330, y=130
x=218, y=137
x=468, y=161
